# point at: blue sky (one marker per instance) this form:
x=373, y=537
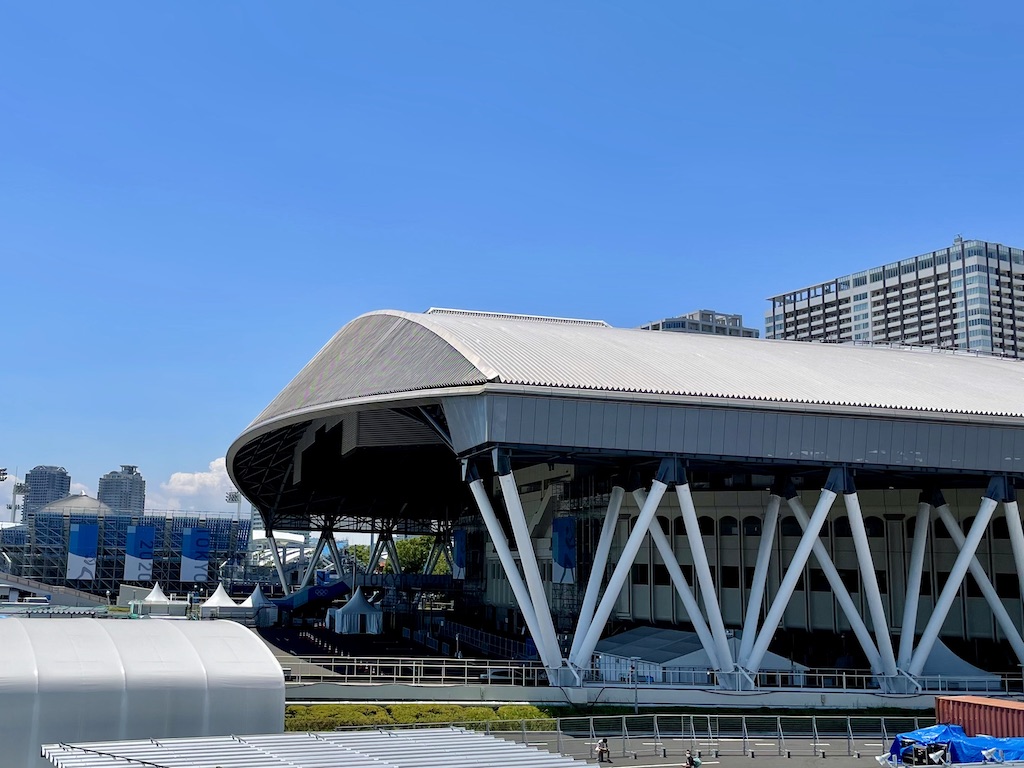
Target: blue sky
x=195, y=197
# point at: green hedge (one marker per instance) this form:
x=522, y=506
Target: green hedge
x=329, y=717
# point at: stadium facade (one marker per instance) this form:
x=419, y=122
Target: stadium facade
x=605, y=476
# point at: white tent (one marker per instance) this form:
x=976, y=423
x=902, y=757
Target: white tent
x=156, y=595
x=220, y=604
x=356, y=617
x=66, y=680
x=958, y=674
x=264, y=612
x=672, y=656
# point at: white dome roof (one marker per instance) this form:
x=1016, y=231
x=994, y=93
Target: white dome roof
x=78, y=505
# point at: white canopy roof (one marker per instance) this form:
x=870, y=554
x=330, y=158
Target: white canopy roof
x=358, y=604
x=419, y=748
x=156, y=595
x=66, y=680
x=219, y=599
x=674, y=648
x=256, y=600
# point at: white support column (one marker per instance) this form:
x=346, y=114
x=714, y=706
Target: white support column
x=375, y=553
x=869, y=580
x=311, y=565
x=528, y=558
x=908, y=629
x=793, y=573
x=604, y=546
x=842, y=594
x=1013, y=526
x=332, y=545
x=682, y=587
x=1002, y=617
x=952, y=585
x=508, y=563
x=756, y=596
x=396, y=563
x=277, y=561
x=702, y=571
x=619, y=575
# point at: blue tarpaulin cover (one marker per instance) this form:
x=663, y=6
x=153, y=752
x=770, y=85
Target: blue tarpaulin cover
x=962, y=748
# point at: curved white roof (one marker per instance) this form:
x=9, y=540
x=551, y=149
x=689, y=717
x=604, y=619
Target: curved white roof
x=393, y=353
x=79, y=504
x=74, y=679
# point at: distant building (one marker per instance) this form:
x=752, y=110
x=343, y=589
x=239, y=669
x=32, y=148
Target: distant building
x=45, y=484
x=704, y=321
x=967, y=296
x=123, y=491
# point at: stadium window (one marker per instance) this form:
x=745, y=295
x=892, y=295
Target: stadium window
x=883, y=583
x=874, y=527
x=1008, y=586
x=790, y=526
x=973, y=590
x=850, y=578
x=661, y=577
x=730, y=576
x=640, y=573
x=940, y=530
x=664, y=523
x=841, y=527
x=819, y=583
x=999, y=530
x=678, y=527
x=751, y=526
x=706, y=525
x=728, y=526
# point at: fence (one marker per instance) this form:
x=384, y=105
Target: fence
x=706, y=735
x=441, y=670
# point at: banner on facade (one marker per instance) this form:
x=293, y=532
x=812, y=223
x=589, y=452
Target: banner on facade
x=563, y=550
x=459, y=554
x=138, y=553
x=82, y=549
x=195, y=554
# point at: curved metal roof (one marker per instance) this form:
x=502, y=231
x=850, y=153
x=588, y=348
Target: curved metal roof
x=392, y=352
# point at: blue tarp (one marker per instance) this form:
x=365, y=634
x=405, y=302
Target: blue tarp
x=962, y=748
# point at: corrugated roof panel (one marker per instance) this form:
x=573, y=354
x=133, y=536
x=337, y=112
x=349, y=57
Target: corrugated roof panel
x=448, y=747
x=630, y=360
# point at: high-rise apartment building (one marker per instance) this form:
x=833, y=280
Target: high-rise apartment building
x=123, y=491
x=967, y=296
x=45, y=484
x=704, y=321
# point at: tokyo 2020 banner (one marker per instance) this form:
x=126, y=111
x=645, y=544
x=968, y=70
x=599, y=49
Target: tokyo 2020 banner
x=195, y=554
x=138, y=554
x=82, y=549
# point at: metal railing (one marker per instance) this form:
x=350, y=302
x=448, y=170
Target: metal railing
x=452, y=671
x=705, y=735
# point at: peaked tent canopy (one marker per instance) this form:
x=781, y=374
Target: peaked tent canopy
x=358, y=616
x=219, y=599
x=156, y=595
x=256, y=600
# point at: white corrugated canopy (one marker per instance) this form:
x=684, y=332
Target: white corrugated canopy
x=419, y=748
x=412, y=352
x=75, y=679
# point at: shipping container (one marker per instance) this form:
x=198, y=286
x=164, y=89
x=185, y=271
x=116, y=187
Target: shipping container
x=980, y=715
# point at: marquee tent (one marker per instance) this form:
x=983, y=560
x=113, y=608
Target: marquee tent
x=220, y=605
x=156, y=595
x=671, y=656
x=66, y=680
x=263, y=610
x=357, y=617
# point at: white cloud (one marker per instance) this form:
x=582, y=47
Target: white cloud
x=77, y=489
x=202, y=490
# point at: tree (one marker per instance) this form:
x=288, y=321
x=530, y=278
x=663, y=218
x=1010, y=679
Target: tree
x=413, y=553
x=361, y=553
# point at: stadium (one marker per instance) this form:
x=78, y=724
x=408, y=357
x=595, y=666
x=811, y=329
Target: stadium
x=586, y=481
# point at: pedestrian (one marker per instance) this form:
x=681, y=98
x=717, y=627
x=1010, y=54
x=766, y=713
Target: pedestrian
x=603, y=753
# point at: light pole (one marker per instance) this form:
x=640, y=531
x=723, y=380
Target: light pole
x=636, y=678
x=234, y=497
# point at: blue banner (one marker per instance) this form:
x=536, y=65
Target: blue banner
x=459, y=554
x=83, y=545
x=195, y=554
x=563, y=550
x=138, y=556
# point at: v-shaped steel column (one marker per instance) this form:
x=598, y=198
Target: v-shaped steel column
x=760, y=580
x=682, y=586
x=908, y=628
x=604, y=546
